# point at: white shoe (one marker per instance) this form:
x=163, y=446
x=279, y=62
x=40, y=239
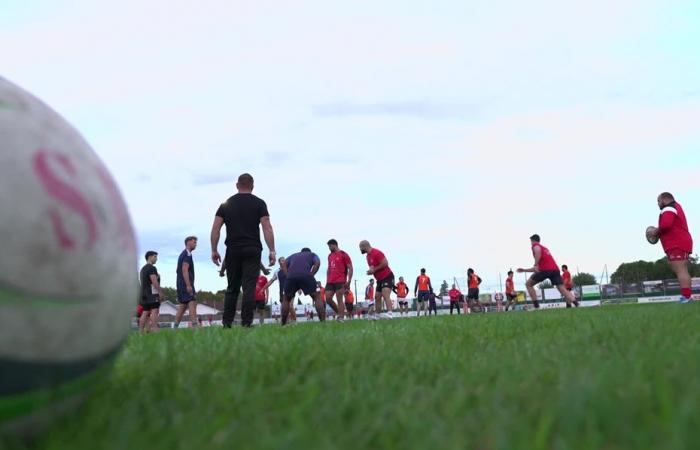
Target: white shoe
x=390, y=315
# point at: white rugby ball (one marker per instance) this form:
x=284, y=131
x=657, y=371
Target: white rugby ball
x=67, y=270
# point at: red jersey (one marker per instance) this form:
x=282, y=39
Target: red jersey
x=374, y=258
x=547, y=262
x=567, y=279
x=473, y=281
x=510, y=286
x=349, y=297
x=369, y=292
x=401, y=289
x=423, y=283
x=673, y=229
x=338, y=263
x=454, y=295
x=259, y=291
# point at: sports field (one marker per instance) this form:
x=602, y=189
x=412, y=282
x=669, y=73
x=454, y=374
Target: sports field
x=624, y=377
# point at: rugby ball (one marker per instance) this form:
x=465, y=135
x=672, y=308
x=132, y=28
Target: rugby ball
x=652, y=235
x=68, y=280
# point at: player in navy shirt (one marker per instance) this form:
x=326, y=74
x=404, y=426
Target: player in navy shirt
x=186, y=294
x=301, y=268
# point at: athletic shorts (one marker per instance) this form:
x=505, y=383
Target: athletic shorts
x=552, y=275
x=473, y=294
x=184, y=297
x=307, y=284
x=512, y=297
x=150, y=306
x=334, y=287
x=350, y=307
x=386, y=283
x=423, y=296
x=677, y=255
x=403, y=302
x=260, y=304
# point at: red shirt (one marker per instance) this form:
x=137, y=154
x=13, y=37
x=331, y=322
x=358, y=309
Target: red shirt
x=401, y=289
x=510, y=286
x=374, y=258
x=473, y=281
x=338, y=263
x=547, y=262
x=259, y=291
x=369, y=292
x=673, y=229
x=454, y=295
x=349, y=297
x=567, y=279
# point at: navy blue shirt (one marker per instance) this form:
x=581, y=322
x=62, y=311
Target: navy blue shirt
x=281, y=278
x=185, y=257
x=301, y=263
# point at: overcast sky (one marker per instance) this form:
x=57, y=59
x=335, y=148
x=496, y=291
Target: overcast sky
x=446, y=133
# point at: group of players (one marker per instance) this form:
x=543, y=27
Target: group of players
x=297, y=275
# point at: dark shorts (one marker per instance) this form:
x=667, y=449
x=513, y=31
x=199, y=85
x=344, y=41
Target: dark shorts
x=184, y=297
x=307, y=284
x=403, y=302
x=423, y=296
x=552, y=275
x=350, y=307
x=260, y=304
x=334, y=287
x=386, y=283
x=473, y=294
x=512, y=297
x=150, y=306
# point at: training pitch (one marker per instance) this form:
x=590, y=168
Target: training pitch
x=620, y=377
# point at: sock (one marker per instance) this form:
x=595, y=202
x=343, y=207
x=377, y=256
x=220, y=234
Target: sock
x=568, y=305
x=686, y=292
x=536, y=303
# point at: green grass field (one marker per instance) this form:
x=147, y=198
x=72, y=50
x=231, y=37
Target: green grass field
x=620, y=377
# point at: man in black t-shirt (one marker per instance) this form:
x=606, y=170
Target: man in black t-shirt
x=151, y=294
x=242, y=214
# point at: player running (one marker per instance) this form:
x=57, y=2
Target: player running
x=338, y=278
x=545, y=268
x=379, y=267
x=511, y=295
x=300, y=269
x=676, y=241
x=568, y=282
x=422, y=291
x=454, y=294
x=401, y=290
x=262, y=293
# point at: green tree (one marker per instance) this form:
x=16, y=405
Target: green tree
x=638, y=271
x=444, y=288
x=584, y=279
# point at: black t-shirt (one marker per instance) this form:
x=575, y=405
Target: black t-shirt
x=242, y=214
x=148, y=292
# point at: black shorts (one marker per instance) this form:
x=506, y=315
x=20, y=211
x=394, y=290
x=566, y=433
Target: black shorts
x=403, y=302
x=259, y=305
x=307, y=283
x=552, y=275
x=350, y=307
x=423, y=296
x=150, y=306
x=512, y=297
x=334, y=287
x=386, y=283
x=473, y=294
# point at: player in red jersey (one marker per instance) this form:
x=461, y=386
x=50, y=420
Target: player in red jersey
x=401, y=290
x=338, y=278
x=379, y=267
x=545, y=268
x=261, y=295
x=511, y=295
x=676, y=240
x=568, y=282
x=454, y=294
